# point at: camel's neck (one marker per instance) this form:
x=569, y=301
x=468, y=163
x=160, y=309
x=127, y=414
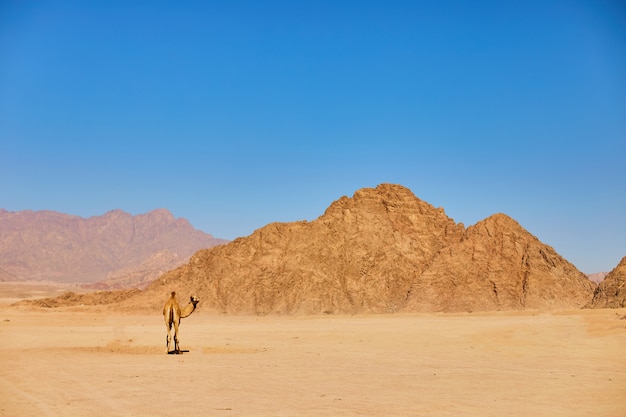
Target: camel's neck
x=189, y=308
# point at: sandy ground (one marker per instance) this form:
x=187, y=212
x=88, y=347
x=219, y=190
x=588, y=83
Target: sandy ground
x=82, y=363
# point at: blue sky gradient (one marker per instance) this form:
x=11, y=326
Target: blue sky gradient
x=241, y=113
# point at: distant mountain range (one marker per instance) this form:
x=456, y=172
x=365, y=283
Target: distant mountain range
x=597, y=277
x=383, y=250
x=115, y=250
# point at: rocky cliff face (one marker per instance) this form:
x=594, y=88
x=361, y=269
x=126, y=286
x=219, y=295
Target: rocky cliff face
x=360, y=256
x=46, y=245
x=611, y=293
x=383, y=250
x=499, y=265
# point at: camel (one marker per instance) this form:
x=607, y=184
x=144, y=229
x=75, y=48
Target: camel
x=172, y=315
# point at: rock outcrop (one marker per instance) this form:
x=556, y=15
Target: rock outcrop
x=383, y=250
x=611, y=293
x=360, y=256
x=499, y=265
x=46, y=245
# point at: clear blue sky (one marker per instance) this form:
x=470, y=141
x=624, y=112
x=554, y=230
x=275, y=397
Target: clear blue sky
x=236, y=114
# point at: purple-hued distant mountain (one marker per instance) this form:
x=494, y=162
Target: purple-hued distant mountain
x=115, y=250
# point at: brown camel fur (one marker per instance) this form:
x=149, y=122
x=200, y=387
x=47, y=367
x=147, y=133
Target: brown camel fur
x=172, y=315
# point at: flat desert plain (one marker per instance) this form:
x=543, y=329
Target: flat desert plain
x=90, y=362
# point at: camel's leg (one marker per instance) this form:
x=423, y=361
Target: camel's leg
x=168, y=339
x=176, y=346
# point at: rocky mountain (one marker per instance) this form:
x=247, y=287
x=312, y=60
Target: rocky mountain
x=127, y=250
x=383, y=250
x=611, y=293
x=499, y=265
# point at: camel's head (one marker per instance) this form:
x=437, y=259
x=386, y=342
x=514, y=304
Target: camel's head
x=194, y=300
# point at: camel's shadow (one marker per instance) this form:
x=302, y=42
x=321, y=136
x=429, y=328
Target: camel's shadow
x=176, y=352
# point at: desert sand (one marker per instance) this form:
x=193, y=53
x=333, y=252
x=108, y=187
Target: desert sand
x=88, y=362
